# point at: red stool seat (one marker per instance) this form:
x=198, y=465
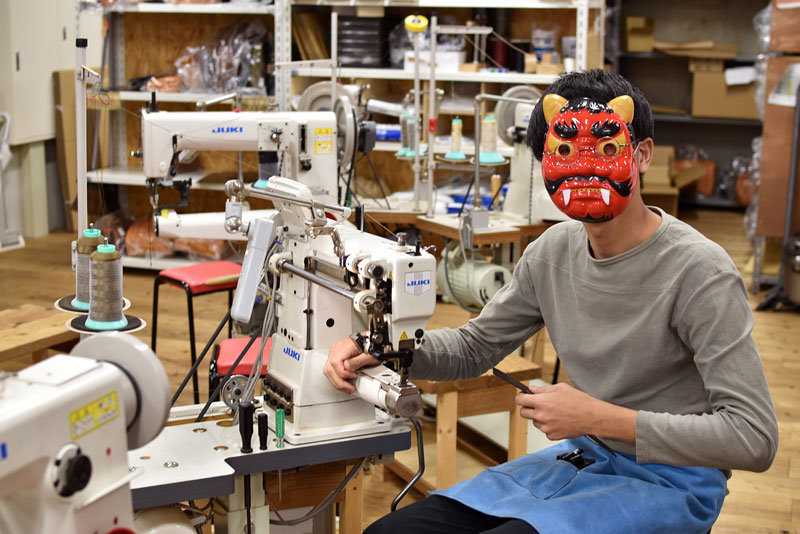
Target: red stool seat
x=229, y=350
x=205, y=277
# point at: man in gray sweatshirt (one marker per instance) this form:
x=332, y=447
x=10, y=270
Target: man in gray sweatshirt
x=652, y=323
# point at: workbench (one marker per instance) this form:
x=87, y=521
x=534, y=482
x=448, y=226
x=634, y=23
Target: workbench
x=33, y=330
x=190, y=461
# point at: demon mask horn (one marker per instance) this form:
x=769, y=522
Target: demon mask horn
x=623, y=106
x=553, y=103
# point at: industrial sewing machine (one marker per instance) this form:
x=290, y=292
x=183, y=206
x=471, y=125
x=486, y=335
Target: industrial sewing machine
x=68, y=423
x=304, y=142
x=326, y=274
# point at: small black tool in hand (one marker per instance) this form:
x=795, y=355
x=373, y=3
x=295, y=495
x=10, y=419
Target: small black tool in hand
x=525, y=389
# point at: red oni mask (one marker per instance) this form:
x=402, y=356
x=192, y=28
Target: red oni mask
x=588, y=163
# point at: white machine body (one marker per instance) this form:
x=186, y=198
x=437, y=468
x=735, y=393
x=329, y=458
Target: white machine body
x=67, y=425
x=526, y=194
x=472, y=282
x=210, y=225
x=306, y=139
x=312, y=317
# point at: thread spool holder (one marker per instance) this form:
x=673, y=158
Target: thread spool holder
x=476, y=161
x=436, y=30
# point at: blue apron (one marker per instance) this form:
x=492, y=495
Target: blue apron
x=613, y=495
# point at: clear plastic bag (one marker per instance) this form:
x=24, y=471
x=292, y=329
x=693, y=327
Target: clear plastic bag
x=754, y=184
x=222, y=64
x=762, y=22
x=141, y=240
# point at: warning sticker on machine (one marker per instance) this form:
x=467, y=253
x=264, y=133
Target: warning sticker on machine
x=418, y=283
x=323, y=141
x=93, y=415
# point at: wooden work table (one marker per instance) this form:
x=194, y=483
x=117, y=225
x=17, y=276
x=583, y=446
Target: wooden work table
x=30, y=329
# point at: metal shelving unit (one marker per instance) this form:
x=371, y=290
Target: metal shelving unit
x=513, y=4
x=182, y=9
x=122, y=174
x=581, y=8
x=399, y=74
x=279, y=10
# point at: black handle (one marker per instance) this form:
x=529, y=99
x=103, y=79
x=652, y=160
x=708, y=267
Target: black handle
x=246, y=410
x=263, y=430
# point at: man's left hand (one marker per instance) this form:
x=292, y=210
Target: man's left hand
x=563, y=412
x=560, y=410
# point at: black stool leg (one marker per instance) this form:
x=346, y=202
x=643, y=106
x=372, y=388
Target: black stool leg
x=213, y=374
x=230, y=319
x=193, y=351
x=154, y=322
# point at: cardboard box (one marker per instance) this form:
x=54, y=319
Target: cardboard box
x=638, y=34
x=706, y=65
x=711, y=97
x=657, y=189
x=776, y=156
x=531, y=63
x=662, y=174
x=783, y=34
x=445, y=61
x=471, y=67
x=660, y=167
x=546, y=65
x=699, y=49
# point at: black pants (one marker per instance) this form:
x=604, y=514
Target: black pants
x=440, y=515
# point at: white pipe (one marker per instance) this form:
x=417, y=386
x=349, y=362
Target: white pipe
x=80, y=132
x=209, y=225
x=432, y=115
x=415, y=139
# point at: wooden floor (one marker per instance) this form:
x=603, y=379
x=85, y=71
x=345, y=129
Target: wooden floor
x=759, y=503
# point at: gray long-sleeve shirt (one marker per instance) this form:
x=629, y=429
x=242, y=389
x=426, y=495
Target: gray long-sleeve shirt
x=663, y=328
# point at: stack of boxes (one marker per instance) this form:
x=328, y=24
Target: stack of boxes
x=778, y=128
x=716, y=91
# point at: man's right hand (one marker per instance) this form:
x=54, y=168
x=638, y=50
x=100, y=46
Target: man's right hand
x=344, y=359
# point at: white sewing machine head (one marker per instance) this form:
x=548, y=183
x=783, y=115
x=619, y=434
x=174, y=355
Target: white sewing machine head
x=66, y=428
x=304, y=141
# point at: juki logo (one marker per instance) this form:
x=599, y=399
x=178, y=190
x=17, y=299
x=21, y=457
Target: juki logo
x=227, y=129
x=292, y=353
x=418, y=282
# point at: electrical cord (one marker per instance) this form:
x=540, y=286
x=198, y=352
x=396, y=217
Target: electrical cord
x=464, y=202
x=225, y=379
x=378, y=179
x=199, y=360
x=420, y=459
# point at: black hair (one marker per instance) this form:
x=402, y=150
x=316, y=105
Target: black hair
x=597, y=85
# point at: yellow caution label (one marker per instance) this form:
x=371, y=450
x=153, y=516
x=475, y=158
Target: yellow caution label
x=93, y=415
x=323, y=141
x=404, y=335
